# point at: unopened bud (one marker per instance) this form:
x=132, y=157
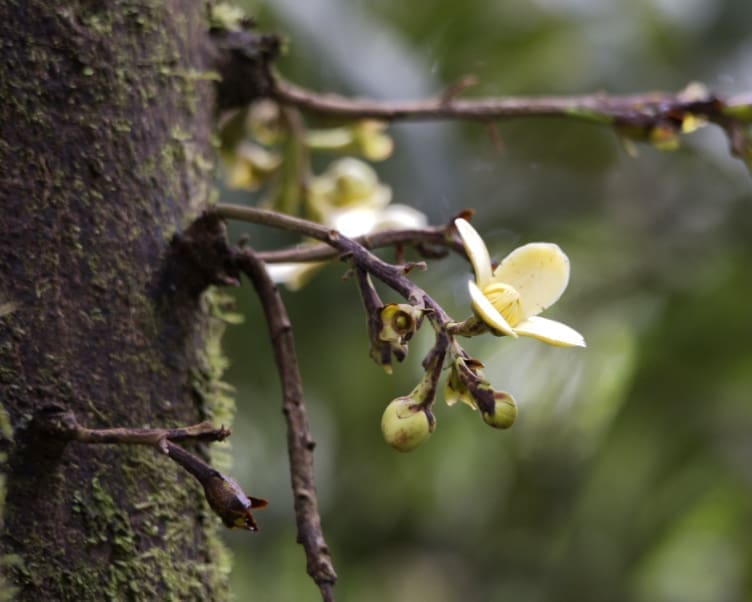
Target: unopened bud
x=504, y=411
x=405, y=424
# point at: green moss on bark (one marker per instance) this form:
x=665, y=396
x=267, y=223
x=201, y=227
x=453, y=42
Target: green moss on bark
x=105, y=126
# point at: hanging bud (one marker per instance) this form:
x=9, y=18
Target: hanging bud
x=224, y=495
x=504, y=411
x=230, y=503
x=405, y=424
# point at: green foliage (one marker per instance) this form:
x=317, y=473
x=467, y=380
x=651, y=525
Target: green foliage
x=625, y=476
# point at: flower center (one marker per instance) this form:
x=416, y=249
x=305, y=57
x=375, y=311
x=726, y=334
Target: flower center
x=506, y=300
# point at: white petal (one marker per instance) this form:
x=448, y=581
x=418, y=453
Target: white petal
x=293, y=275
x=353, y=222
x=539, y=271
x=487, y=312
x=551, y=332
x=476, y=251
x=400, y=217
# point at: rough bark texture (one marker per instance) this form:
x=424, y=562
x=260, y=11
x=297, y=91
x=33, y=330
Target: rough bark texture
x=105, y=117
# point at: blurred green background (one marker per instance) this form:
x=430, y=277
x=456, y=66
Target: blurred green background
x=627, y=475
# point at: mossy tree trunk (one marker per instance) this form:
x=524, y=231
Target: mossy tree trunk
x=105, y=124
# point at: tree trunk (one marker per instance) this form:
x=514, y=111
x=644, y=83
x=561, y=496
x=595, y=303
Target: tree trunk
x=105, y=123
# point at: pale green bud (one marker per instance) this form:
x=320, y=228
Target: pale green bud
x=399, y=322
x=405, y=424
x=504, y=413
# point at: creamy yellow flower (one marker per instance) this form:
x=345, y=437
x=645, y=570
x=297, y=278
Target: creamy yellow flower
x=348, y=183
x=349, y=198
x=527, y=281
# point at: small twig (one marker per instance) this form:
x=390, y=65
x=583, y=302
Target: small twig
x=224, y=495
x=456, y=88
x=204, y=431
x=299, y=441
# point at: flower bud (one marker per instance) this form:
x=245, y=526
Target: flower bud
x=349, y=184
x=405, y=424
x=371, y=139
x=504, y=411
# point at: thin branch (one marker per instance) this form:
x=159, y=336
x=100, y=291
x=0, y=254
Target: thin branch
x=299, y=441
x=274, y=219
x=636, y=109
x=392, y=276
x=440, y=236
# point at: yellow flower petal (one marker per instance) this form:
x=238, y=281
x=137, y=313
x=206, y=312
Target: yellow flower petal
x=551, y=332
x=476, y=251
x=487, y=312
x=538, y=271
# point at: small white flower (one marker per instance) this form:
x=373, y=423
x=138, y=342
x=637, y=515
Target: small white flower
x=527, y=281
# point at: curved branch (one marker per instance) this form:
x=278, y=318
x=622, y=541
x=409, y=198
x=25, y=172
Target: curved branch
x=299, y=441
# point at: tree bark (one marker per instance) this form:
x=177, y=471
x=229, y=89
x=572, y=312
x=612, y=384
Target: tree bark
x=105, y=122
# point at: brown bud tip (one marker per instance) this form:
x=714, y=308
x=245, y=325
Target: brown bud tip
x=230, y=503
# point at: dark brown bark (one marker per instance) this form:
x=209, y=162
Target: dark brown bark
x=105, y=122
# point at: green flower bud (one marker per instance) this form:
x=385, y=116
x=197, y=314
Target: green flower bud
x=504, y=411
x=371, y=139
x=405, y=424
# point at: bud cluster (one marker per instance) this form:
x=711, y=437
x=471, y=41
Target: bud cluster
x=467, y=383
